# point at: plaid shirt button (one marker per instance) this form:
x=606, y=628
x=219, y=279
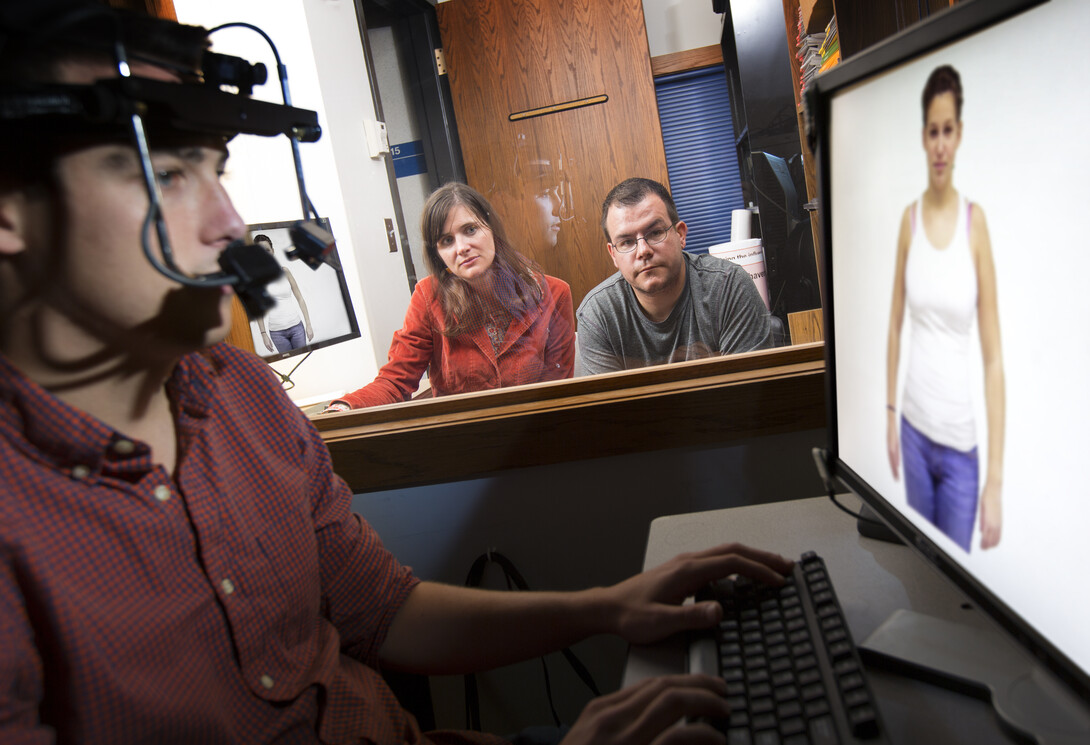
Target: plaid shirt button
x=124, y=447
x=267, y=682
x=162, y=492
x=228, y=587
x=80, y=472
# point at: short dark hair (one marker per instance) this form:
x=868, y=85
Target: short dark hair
x=943, y=79
x=631, y=192
x=262, y=238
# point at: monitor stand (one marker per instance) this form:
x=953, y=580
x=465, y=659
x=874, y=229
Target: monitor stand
x=983, y=663
x=285, y=378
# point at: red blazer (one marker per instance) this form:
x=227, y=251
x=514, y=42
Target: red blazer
x=538, y=346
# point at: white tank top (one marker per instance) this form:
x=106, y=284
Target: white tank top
x=941, y=294
x=286, y=313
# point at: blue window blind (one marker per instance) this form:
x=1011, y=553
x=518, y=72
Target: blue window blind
x=694, y=110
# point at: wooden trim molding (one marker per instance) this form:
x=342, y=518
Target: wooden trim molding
x=706, y=402
x=690, y=59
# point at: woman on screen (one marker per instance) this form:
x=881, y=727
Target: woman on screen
x=287, y=325
x=486, y=317
x=946, y=278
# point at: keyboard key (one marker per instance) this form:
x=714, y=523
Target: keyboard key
x=792, y=725
x=864, y=722
x=767, y=737
x=846, y=666
x=739, y=736
x=788, y=709
x=823, y=731
x=784, y=678
x=857, y=697
x=759, y=675
x=850, y=681
x=807, y=677
x=840, y=649
x=787, y=693
x=762, y=706
x=764, y=722
x=780, y=664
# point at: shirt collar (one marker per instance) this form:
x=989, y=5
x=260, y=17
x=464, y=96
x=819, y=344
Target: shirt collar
x=68, y=437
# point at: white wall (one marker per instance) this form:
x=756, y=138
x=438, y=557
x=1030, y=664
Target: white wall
x=319, y=42
x=402, y=127
x=680, y=25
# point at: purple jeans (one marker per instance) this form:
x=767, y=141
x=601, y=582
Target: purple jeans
x=288, y=339
x=942, y=483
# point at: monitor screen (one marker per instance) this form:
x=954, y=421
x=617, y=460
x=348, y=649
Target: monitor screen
x=954, y=268
x=313, y=308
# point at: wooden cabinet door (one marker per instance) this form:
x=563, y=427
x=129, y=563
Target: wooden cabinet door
x=518, y=70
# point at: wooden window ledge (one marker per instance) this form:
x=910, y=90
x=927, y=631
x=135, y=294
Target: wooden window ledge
x=705, y=402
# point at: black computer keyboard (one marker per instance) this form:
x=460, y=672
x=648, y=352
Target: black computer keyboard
x=793, y=672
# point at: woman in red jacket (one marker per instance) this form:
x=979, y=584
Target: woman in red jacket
x=486, y=317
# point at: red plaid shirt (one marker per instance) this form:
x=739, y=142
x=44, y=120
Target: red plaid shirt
x=239, y=601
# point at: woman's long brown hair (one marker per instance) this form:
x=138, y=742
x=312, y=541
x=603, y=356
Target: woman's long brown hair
x=515, y=278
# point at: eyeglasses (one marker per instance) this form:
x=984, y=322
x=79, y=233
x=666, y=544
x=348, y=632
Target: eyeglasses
x=652, y=238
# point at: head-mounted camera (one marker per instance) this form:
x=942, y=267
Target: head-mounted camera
x=212, y=97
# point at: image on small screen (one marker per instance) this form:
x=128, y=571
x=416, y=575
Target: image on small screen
x=959, y=187
x=311, y=309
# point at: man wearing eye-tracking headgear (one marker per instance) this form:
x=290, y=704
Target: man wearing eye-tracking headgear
x=178, y=562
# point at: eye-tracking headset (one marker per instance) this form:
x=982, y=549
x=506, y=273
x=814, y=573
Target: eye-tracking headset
x=129, y=106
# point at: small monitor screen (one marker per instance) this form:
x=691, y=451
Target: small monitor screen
x=958, y=266
x=313, y=308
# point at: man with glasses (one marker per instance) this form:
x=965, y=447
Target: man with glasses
x=663, y=305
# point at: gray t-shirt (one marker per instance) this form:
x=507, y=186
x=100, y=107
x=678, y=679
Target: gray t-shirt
x=719, y=312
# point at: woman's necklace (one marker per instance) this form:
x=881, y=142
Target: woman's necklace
x=496, y=329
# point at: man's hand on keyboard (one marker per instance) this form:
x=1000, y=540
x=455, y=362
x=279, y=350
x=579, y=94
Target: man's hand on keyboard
x=648, y=607
x=647, y=712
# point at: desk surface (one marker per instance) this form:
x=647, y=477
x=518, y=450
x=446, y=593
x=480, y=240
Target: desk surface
x=872, y=578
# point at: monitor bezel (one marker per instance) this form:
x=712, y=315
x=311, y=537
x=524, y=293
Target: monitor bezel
x=943, y=28
x=346, y=298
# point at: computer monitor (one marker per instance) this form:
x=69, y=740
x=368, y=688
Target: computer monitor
x=313, y=307
x=962, y=322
